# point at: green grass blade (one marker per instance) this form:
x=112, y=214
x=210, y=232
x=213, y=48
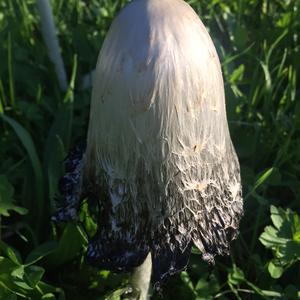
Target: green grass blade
x=59, y=137
x=10, y=73
x=28, y=144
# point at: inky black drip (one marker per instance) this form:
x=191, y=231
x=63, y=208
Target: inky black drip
x=70, y=187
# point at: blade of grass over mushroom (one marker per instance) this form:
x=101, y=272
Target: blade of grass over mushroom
x=58, y=140
x=29, y=146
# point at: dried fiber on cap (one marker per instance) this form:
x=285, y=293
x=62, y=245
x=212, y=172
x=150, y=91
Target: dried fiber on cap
x=159, y=152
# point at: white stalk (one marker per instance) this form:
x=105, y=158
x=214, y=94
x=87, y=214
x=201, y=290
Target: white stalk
x=51, y=40
x=141, y=277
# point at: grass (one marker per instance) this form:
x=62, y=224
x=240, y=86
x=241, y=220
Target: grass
x=258, y=44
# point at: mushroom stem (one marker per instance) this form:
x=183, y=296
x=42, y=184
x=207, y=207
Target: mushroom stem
x=141, y=277
x=51, y=40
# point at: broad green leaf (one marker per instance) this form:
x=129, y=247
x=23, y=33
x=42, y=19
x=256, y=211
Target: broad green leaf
x=40, y=252
x=6, y=200
x=22, y=284
x=6, y=206
x=187, y=281
x=6, y=265
x=274, y=270
x=236, y=276
x=18, y=272
x=269, y=238
x=33, y=275
x=72, y=241
x=11, y=253
x=277, y=216
x=48, y=296
x=281, y=239
x=8, y=287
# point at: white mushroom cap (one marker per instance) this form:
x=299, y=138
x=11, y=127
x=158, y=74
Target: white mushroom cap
x=159, y=151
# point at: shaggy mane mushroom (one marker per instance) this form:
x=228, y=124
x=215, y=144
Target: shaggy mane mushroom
x=159, y=157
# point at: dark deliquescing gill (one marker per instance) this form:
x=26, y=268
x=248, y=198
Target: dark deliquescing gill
x=126, y=235
x=71, y=191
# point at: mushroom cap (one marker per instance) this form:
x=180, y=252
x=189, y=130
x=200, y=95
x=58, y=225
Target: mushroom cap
x=159, y=154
